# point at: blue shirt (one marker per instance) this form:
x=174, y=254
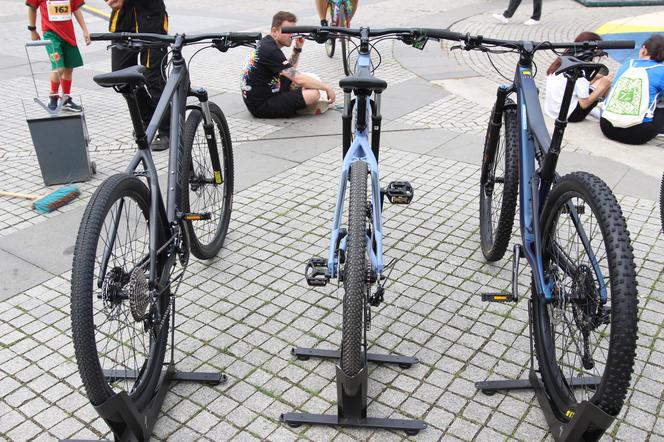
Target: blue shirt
x=655, y=78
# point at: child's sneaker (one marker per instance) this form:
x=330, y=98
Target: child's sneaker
x=501, y=18
x=53, y=102
x=69, y=104
x=531, y=22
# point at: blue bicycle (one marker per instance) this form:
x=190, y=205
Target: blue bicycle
x=355, y=255
x=575, y=239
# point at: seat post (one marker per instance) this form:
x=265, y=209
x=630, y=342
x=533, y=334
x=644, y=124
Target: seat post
x=136, y=120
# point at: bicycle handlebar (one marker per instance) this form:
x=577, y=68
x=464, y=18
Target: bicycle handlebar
x=471, y=41
x=233, y=37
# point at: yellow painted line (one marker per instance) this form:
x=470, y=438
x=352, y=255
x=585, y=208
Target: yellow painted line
x=97, y=12
x=613, y=28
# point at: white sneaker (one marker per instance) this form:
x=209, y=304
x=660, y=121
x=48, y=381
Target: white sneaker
x=531, y=22
x=501, y=18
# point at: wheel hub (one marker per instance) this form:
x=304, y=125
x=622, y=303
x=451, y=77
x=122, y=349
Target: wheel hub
x=111, y=290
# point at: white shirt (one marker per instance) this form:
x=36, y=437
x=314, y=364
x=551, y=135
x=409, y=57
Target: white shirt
x=555, y=90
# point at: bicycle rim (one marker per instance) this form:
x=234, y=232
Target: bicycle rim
x=109, y=308
x=200, y=192
x=580, y=335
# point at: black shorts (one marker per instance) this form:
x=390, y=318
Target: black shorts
x=282, y=105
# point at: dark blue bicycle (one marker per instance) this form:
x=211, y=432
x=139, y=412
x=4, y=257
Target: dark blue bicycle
x=574, y=236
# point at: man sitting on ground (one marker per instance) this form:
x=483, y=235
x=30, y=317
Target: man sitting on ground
x=267, y=76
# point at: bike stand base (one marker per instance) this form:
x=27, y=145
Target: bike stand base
x=352, y=396
x=587, y=421
x=304, y=354
x=411, y=427
x=123, y=418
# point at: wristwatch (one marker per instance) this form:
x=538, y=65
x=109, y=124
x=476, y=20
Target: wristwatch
x=32, y=28
x=297, y=50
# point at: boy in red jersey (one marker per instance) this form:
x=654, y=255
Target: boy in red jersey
x=58, y=27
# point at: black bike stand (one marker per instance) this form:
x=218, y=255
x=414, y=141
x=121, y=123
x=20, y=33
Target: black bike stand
x=586, y=423
x=129, y=424
x=352, y=396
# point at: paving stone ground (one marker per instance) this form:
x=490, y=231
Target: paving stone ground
x=242, y=312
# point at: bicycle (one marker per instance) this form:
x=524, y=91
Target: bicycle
x=338, y=13
x=574, y=236
x=130, y=241
x=355, y=254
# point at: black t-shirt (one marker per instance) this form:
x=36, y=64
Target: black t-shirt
x=260, y=75
x=129, y=17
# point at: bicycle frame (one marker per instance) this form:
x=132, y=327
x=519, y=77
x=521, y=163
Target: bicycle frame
x=175, y=92
x=359, y=150
x=534, y=183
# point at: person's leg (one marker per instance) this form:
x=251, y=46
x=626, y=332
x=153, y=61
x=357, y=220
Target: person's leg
x=511, y=8
x=311, y=96
x=354, y=3
x=55, y=82
x=321, y=7
x=537, y=10
x=283, y=105
x=579, y=113
x=639, y=134
x=67, y=76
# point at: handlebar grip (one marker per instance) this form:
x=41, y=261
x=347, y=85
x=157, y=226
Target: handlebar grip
x=97, y=36
x=442, y=34
x=299, y=29
x=245, y=36
x=618, y=44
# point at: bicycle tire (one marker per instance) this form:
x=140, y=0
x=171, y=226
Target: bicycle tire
x=343, y=22
x=89, y=304
x=494, y=240
x=199, y=192
x=661, y=203
x=582, y=191
x=355, y=273
x=330, y=44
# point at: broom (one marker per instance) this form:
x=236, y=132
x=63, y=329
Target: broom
x=50, y=202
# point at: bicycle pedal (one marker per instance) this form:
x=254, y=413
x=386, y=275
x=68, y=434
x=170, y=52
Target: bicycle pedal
x=196, y=216
x=498, y=297
x=316, y=272
x=399, y=192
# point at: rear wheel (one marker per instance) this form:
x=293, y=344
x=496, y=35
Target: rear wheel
x=119, y=325
x=355, y=273
x=205, y=190
x=582, y=333
x=499, y=190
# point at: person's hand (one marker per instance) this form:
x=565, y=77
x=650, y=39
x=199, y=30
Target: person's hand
x=86, y=37
x=114, y=4
x=299, y=42
x=34, y=35
x=331, y=96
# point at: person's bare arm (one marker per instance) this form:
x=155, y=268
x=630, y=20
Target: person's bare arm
x=81, y=22
x=295, y=56
x=307, y=82
x=602, y=87
x=32, y=20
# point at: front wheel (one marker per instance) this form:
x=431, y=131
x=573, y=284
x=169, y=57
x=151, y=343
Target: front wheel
x=119, y=325
x=589, y=329
x=500, y=187
x=204, y=188
x=355, y=273
x=330, y=44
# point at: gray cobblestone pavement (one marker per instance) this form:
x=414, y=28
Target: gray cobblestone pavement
x=242, y=312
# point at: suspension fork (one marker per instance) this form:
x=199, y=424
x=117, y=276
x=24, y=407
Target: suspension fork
x=494, y=128
x=208, y=127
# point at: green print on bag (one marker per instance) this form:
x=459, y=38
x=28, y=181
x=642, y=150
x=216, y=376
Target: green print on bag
x=629, y=101
x=626, y=98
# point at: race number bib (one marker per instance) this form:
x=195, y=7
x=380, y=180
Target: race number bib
x=59, y=10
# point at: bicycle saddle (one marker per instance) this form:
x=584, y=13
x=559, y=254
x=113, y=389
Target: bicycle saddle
x=569, y=63
x=131, y=76
x=363, y=81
